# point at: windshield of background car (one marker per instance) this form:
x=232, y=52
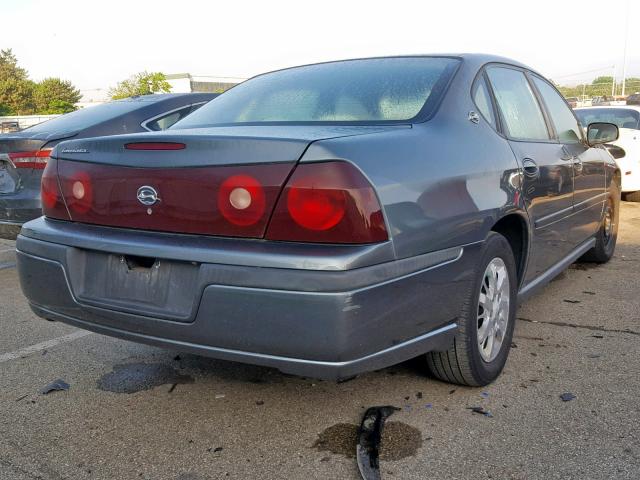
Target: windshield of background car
x=622, y=117
x=87, y=117
x=384, y=90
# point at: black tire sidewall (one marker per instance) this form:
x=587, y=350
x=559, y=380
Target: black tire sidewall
x=496, y=246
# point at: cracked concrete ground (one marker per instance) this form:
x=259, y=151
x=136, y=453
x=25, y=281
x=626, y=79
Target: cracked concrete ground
x=192, y=418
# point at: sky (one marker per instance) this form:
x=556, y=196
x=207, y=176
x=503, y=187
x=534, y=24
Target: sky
x=95, y=44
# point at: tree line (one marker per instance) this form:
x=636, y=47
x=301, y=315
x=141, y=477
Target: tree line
x=19, y=95
x=601, y=86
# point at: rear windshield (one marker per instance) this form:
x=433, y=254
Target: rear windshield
x=384, y=90
x=88, y=117
x=622, y=117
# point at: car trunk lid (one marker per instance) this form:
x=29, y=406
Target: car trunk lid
x=220, y=181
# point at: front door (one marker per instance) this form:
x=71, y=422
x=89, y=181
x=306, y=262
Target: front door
x=589, y=176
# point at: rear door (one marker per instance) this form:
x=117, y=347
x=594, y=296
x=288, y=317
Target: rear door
x=547, y=176
x=589, y=177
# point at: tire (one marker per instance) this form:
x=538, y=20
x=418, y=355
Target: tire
x=466, y=363
x=632, y=196
x=606, y=237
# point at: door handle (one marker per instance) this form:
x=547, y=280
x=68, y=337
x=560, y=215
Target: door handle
x=530, y=168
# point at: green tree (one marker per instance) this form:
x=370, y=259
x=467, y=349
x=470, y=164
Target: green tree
x=142, y=83
x=16, y=90
x=53, y=95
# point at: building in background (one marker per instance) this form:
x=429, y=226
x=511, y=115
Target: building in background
x=187, y=83
x=93, y=96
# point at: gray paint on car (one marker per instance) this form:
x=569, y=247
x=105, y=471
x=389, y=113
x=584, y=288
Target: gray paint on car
x=443, y=185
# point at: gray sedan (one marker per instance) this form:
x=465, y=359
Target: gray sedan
x=330, y=219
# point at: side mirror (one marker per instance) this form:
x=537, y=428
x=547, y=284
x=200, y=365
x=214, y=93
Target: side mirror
x=600, y=132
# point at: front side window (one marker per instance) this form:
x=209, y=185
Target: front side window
x=565, y=123
x=382, y=90
x=518, y=105
x=482, y=99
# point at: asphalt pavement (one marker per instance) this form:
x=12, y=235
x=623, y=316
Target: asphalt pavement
x=139, y=412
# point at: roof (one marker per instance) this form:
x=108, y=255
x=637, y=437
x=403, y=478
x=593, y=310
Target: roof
x=475, y=60
x=156, y=97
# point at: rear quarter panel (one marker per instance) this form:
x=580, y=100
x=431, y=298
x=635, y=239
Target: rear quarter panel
x=442, y=183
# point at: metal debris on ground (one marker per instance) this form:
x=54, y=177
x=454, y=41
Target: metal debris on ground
x=481, y=411
x=57, y=385
x=567, y=397
x=369, y=438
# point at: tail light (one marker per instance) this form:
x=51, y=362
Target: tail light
x=78, y=192
x=241, y=200
x=330, y=202
x=36, y=159
x=52, y=202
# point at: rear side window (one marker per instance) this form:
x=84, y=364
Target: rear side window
x=522, y=116
x=168, y=119
x=563, y=120
x=482, y=99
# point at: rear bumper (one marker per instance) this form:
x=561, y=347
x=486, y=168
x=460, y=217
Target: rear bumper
x=320, y=323
x=19, y=207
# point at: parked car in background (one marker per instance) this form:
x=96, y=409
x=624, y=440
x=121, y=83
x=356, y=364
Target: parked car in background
x=24, y=154
x=626, y=149
x=607, y=100
x=330, y=219
x=572, y=101
x=633, y=99
x=9, y=127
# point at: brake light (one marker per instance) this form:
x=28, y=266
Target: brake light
x=78, y=192
x=241, y=200
x=231, y=200
x=36, y=159
x=155, y=146
x=52, y=202
x=329, y=202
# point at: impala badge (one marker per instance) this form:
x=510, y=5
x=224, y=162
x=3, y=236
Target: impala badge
x=147, y=195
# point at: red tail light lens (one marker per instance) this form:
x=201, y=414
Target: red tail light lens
x=330, y=202
x=241, y=200
x=78, y=192
x=234, y=201
x=52, y=202
x=36, y=159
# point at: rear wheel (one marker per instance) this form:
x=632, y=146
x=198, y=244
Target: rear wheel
x=485, y=326
x=632, y=196
x=606, y=237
